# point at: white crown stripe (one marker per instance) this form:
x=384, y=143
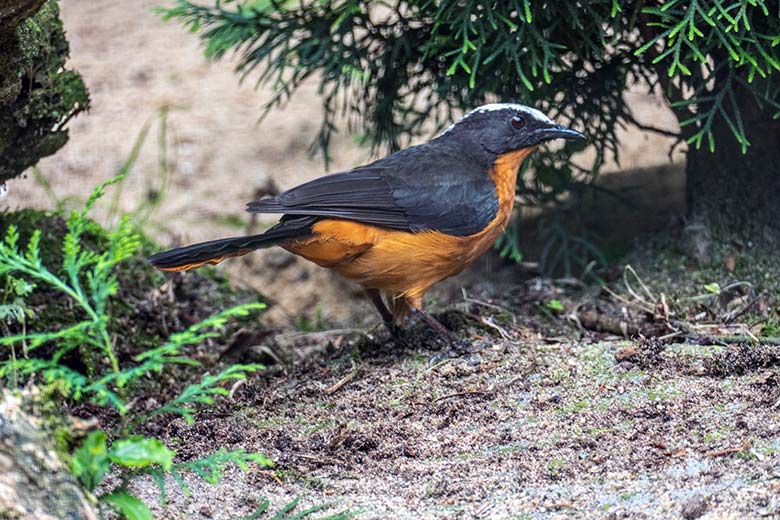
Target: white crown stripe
x=503, y=106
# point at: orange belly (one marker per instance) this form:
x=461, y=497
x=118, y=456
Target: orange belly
x=402, y=264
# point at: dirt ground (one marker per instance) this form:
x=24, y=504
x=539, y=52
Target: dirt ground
x=543, y=422
x=537, y=424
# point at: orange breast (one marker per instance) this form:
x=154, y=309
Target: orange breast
x=407, y=264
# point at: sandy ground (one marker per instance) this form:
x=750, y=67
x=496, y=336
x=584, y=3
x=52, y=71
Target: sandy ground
x=534, y=426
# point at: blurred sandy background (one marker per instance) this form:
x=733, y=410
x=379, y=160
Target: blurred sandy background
x=133, y=64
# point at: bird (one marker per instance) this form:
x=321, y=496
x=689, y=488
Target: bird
x=401, y=224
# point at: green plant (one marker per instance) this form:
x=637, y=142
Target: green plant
x=92, y=460
x=13, y=308
x=145, y=456
x=306, y=324
x=508, y=244
x=40, y=180
x=712, y=288
x=554, y=467
x=203, y=392
x=168, y=353
x=771, y=328
x=555, y=305
x=153, y=194
x=89, y=281
x=141, y=455
x=570, y=254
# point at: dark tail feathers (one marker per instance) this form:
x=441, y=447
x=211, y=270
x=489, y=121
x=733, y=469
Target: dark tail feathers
x=213, y=252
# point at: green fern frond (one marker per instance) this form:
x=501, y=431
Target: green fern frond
x=202, y=393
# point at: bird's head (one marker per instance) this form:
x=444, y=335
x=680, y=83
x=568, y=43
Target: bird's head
x=505, y=127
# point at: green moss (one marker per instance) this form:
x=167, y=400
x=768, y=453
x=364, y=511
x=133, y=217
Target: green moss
x=555, y=466
x=38, y=36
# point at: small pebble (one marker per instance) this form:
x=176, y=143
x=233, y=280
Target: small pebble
x=626, y=354
x=694, y=507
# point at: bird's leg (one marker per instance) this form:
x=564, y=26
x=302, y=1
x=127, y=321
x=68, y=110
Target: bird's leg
x=458, y=347
x=387, y=317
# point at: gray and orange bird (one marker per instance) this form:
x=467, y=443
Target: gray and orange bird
x=401, y=224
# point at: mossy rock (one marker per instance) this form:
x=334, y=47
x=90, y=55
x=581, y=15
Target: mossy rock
x=14, y=11
x=37, y=95
x=34, y=481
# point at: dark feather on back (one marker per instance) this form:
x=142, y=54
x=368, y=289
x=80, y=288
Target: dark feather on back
x=434, y=186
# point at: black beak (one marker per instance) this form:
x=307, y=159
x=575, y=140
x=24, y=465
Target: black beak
x=556, y=132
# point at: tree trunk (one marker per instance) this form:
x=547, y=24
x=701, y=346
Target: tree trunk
x=733, y=194
x=37, y=96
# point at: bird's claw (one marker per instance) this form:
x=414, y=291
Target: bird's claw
x=397, y=334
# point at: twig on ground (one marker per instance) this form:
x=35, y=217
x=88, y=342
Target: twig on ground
x=322, y=333
x=739, y=312
x=488, y=305
x=489, y=322
x=459, y=394
x=271, y=474
x=620, y=325
x=265, y=349
x=570, y=281
x=670, y=336
x=439, y=364
x=235, y=387
x=727, y=451
x=628, y=269
x=711, y=295
x=341, y=382
x=733, y=338
x=751, y=335
x=642, y=307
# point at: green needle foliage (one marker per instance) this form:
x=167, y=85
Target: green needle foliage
x=200, y=393
x=710, y=47
x=400, y=68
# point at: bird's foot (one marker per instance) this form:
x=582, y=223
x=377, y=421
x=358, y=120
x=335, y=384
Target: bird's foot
x=397, y=333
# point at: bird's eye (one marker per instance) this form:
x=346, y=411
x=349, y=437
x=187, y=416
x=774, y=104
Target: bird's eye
x=518, y=122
